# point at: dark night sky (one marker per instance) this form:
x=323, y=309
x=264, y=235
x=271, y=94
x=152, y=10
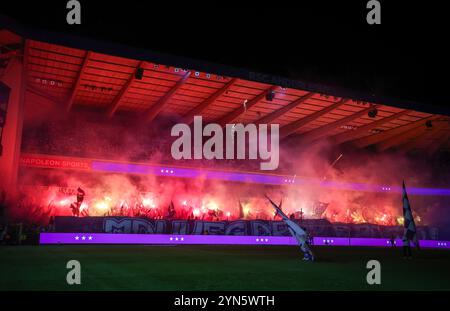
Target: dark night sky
x=318, y=41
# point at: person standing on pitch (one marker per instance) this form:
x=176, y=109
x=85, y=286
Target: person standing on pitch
x=296, y=231
x=406, y=248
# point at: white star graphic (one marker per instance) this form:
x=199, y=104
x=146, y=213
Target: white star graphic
x=90, y=237
x=77, y=237
x=83, y=237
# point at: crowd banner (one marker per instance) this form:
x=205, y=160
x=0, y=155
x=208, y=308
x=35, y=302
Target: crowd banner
x=315, y=227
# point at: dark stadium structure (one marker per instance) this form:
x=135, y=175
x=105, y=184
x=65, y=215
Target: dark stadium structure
x=84, y=115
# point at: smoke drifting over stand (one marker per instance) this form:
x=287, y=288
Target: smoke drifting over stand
x=89, y=134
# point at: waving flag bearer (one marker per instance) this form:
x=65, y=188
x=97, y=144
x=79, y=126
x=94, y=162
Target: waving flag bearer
x=409, y=225
x=296, y=231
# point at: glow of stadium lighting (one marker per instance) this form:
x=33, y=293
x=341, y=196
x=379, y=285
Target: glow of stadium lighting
x=246, y=210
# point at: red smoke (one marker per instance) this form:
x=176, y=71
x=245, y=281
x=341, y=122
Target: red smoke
x=150, y=196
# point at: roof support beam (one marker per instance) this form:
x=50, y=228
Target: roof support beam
x=426, y=136
x=376, y=138
x=323, y=130
x=123, y=91
x=78, y=81
x=296, y=125
x=401, y=138
x=159, y=105
x=233, y=115
x=438, y=143
x=26, y=55
x=283, y=110
x=414, y=143
x=188, y=118
x=35, y=91
x=349, y=135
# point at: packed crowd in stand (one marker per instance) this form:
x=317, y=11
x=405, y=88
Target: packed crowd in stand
x=17, y=232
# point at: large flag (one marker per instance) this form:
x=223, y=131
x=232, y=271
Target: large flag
x=293, y=227
x=408, y=223
x=295, y=230
x=171, y=210
x=241, y=210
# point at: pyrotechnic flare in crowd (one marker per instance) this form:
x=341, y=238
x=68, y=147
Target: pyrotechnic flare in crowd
x=296, y=231
x=331, y=166
x=409, y=225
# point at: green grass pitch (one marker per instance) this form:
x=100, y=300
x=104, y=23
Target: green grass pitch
x=189, y=267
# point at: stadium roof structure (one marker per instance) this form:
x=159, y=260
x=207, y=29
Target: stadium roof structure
x=115, y=79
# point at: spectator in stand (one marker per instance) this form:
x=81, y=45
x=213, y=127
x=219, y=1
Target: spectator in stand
x=3, y=231
x=51, y=224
